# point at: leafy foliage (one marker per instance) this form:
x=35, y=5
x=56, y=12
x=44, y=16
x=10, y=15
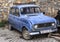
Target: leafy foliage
x=3, y=23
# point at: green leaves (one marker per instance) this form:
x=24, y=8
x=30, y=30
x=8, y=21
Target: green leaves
x=3, y=23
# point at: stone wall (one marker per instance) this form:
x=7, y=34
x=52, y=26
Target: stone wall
x=4, y=8
x=50, y=7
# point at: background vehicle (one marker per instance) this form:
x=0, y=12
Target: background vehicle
x=58, y=17
x=58, y=20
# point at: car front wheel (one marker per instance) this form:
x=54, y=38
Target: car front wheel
x=26, y=35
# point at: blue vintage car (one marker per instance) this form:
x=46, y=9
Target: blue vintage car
x=28, y=19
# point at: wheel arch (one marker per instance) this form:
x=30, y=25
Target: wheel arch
x=24, y=28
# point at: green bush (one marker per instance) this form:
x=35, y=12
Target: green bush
x=3, y=23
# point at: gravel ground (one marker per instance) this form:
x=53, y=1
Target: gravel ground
x=14, y=36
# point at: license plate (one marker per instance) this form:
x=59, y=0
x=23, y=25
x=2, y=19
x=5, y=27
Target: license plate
x=45, y=31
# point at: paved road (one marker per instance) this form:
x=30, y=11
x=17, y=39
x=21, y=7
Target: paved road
x=14, y=36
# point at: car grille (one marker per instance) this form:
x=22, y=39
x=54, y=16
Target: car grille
x=44, y=25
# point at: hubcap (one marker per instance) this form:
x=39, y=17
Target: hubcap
x=26, y=34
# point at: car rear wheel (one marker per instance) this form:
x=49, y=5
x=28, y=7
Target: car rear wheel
x=10, y=27
x=26, y=35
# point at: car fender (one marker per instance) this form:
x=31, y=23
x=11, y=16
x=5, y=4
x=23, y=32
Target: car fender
x=27, y=24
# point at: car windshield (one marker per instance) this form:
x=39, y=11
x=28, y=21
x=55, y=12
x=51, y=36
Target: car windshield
x=30, y=10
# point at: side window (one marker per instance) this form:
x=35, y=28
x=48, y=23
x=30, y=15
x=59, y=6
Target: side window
x=12, y=11
x=17, y=12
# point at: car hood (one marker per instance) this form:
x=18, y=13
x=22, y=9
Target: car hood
x=37, y=19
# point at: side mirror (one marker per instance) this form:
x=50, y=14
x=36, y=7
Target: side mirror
x=43, y=12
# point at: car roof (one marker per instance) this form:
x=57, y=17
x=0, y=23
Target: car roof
x=28, y=5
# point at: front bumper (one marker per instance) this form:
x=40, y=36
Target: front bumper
x=42, y=32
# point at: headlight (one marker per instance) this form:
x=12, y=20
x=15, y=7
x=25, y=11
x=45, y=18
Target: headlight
x=35, y=26
x=53, y=24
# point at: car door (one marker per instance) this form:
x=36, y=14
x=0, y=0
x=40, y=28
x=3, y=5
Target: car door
x=17, y=19
x=11, y=17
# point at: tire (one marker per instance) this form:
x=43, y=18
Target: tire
x=26, y=35
x=49, y=35
x=10, y=27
